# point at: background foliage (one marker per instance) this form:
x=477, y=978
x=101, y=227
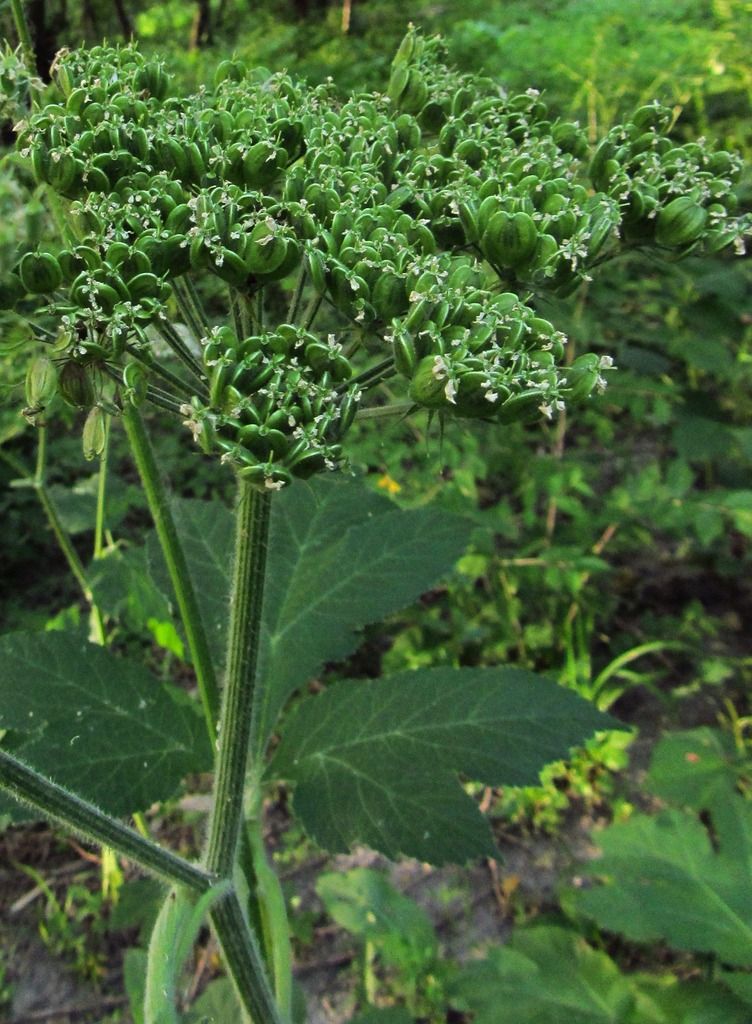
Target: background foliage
x=611, y=552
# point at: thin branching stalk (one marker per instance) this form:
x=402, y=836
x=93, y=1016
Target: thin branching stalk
x=168, y=333
x=297, y=294
x=143, y=356
x=63, y=539
x=197, y=305
x=101, y=492
x=162, y=400
x=235, y=312
x=177, y=566
x=186, y=305
x=22, y=30
x=311, y=310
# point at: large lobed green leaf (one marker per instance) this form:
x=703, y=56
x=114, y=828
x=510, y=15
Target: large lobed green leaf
x=546, y=975
x=98, y=724
x=377, y=762
x=366, y=904
x=696, y=768
x=340, y=557
x=662, y=879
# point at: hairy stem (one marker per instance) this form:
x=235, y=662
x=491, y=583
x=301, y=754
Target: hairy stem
x=177, y=567
x=53, y=801
x=251, y=537
x=244, y=960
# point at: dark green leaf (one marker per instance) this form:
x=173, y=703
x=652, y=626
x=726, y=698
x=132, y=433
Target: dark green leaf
x=206, y=533
x=340, y=556
x=545, y=975
x=134, y=972
x=664, y=1000
x=386, y=1015
x=367, y=905
x=77, y=505
x=124, y=590
x=662, y=879
x=689, y=768
x=217, y=1004
x=377, y=762
x=739, y=983
x=103, y=725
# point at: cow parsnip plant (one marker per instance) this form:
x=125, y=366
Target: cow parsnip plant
x=399, y=237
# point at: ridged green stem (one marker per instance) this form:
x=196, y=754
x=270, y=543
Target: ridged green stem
x=244, y=628
x=54, y=801
x=22, y=30
x=244, y=960
x=159, y=506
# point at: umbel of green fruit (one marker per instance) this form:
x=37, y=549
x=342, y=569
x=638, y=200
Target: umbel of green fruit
x=407, y=236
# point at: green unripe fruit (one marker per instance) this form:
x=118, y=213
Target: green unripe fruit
x=428, y=385
x=265, y=251
x=570, y=138
x=407, y=48
x=40, y=273
x=144, y=286
x=510, y=240
x=415, y=94
x=405, y=356
x=94, y=434
x=388, y=296
x=77, y=385
x=681, y=222
x=603, y=153
x=582, y=376
x=398, y=80
x=471, y=152
x=41, y=383
x=652, y=115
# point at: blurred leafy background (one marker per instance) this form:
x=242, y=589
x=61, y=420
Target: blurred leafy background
x=611, y=550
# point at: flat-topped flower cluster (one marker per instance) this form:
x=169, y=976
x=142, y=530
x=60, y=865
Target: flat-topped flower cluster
x=412, y=230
